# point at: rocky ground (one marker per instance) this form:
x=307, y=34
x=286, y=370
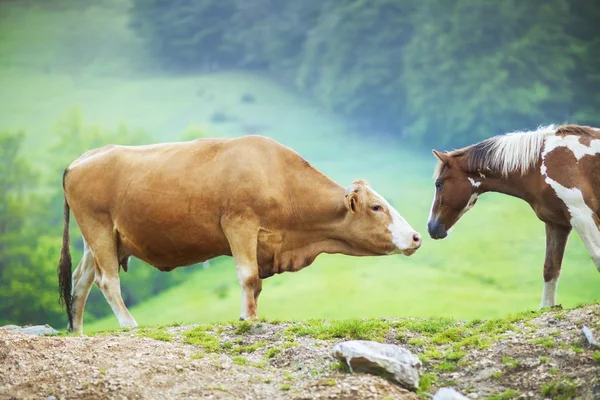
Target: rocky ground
x=532, y=355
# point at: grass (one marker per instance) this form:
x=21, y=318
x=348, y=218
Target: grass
x=475, y=273
x=596, y=356
x=547, y=342
x=507, y=395
x=561, y=389
x=511, y=363
x=156, y=334
x=370, y=329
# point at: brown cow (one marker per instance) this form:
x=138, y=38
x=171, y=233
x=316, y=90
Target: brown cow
x=178, y=204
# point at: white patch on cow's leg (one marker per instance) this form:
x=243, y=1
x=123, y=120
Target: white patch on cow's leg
x=83, y=278
x=249, y=283
x=111, y=289
x=582, y=218
x=549, y=294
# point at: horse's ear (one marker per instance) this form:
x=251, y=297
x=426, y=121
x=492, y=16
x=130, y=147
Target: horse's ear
x=443, y=157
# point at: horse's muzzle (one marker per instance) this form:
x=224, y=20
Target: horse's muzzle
x=436, y=230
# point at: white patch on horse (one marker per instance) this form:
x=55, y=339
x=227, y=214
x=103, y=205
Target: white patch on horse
x=582, y=218
x=572, y=143
x=402, y=232
x=431, y=209
x=474, y=183
x=469, y=205
x=549, y=294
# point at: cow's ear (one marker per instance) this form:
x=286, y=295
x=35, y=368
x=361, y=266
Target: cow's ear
x=352, y=198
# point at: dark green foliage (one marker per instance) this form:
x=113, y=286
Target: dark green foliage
x=31, y=228
x=25, y=276
x=448, y=72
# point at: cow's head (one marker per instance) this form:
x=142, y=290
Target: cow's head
x=375, y=225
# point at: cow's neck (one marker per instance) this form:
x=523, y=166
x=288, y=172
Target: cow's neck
x=320, y=226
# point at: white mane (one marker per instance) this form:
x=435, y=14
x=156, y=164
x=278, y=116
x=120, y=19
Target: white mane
x=515, y=151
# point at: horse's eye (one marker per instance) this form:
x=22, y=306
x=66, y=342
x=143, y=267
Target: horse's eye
x=438, y=185
x=377, y=208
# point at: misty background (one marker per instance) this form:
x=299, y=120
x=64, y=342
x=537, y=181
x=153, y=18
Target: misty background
x=362, y=89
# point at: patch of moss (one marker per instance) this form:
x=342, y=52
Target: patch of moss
x=544, y=359
x=546, y=342
x=285, y=387
x=250, y=348
x=596, y=356
x=426, y=381
x=417, y=342
x=564, y=389
x=428, y=326
x=272, y=352
x=198, y=336
x=497, y=374
x=455, y=355
x=449, y=335
x=243, y=327
x=340, y=366
x=359, y=329
x=156, y=334
x=445, y=366
x=433, y=353
x=511, y=363
x=507, y=395
x=240, y=360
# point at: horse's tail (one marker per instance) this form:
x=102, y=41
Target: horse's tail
x=65, y=265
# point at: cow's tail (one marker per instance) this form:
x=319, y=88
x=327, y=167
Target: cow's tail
x=65, y=265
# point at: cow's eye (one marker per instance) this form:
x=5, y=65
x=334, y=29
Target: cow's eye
x=377, y=208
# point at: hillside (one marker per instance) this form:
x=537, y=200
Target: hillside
x=530, y=355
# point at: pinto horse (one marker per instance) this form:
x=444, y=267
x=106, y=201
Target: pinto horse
x=554, y=169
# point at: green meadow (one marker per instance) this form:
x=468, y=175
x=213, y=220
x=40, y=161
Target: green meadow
x=490, y=265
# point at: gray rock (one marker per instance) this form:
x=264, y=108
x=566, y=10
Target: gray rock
x=587, y=332
x=399, y=363
x=448, y=394
x=39, y=330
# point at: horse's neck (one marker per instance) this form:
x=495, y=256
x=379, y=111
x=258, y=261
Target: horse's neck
x=514, y=184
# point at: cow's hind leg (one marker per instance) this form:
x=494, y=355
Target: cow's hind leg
x=104, y=247
x=556, y=240
x=242, y=235
x=83, y=278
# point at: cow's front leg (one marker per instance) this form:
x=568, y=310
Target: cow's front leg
x=242, y=234
x=249, y=282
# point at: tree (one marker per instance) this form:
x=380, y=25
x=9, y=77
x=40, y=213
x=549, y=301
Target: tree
x=27, y=259
x=473, y=69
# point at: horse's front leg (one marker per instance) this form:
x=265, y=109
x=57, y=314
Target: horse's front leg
x=556, y=241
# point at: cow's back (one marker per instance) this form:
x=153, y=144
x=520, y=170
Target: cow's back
x=166, y=201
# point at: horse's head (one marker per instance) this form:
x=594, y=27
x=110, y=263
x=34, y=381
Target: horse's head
x=456, y=193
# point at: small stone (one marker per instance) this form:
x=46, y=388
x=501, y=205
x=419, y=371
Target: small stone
x=51, y=398
x=362, y=355
x=587, y=332
x=448, y=394
x=179, y=368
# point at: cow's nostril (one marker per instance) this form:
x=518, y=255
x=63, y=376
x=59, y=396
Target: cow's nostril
x=417, y=238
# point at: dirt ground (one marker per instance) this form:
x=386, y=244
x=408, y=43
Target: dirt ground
x=267, y=361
